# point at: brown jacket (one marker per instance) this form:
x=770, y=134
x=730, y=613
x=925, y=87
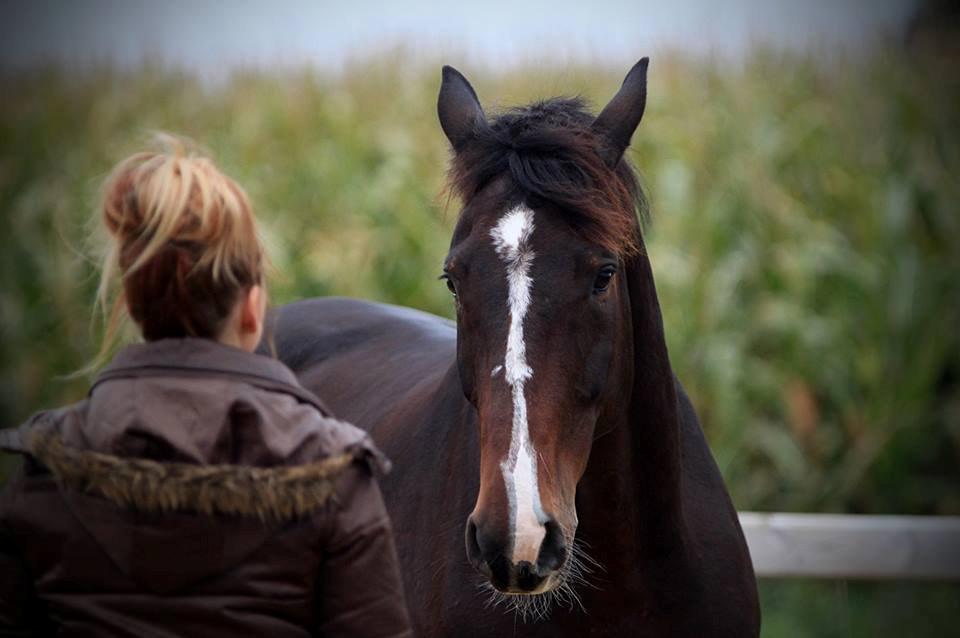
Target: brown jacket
x=198, y=491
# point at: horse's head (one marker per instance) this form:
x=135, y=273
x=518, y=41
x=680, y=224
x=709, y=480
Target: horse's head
x=537, y=266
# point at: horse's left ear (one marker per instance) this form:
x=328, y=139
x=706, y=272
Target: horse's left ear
x=620, y=118
x=461, y=115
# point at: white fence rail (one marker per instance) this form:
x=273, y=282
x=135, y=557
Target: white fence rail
x=854, y=547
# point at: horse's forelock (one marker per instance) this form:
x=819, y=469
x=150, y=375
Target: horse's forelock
x=549, y=151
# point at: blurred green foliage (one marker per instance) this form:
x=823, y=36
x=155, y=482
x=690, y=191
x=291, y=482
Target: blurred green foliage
x=806, y=243
x=838, y=609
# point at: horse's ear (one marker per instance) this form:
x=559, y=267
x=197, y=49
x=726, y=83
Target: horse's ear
x=461, y=115
x=620, y=118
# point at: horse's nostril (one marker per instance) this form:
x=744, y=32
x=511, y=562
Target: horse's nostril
x=473, y=544
x=476, y=554
x=553, y=550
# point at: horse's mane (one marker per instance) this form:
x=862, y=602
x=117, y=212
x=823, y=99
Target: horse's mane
x=550, y=151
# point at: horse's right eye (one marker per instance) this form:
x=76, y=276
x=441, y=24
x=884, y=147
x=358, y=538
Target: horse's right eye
x=452, y=287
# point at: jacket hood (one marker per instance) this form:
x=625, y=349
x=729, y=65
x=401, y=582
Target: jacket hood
x=198, y=401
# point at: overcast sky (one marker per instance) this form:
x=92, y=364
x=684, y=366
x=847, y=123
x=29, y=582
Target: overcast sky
x=210, y=34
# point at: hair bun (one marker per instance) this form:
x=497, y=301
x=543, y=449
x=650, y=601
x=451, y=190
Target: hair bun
x=121, y=207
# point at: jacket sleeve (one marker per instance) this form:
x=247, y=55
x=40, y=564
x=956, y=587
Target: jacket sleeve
x=19, y=606
x=360, y=590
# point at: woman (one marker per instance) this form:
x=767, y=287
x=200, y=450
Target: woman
x=199, y=490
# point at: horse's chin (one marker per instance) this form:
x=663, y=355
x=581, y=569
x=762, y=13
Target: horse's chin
x=549, y=584
x=530, y=606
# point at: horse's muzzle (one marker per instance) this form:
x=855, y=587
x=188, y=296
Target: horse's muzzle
x=489, y=554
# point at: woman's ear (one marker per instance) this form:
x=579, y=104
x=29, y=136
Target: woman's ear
x=252, y=310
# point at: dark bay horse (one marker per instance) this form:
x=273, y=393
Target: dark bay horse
x=546, y=426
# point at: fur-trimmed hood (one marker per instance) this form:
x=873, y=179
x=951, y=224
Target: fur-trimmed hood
x=268, y=493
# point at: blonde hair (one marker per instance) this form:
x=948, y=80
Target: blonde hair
x=182, y=246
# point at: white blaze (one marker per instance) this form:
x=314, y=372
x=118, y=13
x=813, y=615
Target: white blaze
x=511, y=238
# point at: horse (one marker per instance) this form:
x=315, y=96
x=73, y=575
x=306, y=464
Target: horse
x=550, y=475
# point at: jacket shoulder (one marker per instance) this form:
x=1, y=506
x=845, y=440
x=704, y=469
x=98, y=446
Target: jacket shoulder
x=16, y=440
x=310, y=433
x=345, y=438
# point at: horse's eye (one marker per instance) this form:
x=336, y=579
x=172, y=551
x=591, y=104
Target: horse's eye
x=450, y=285
x=602, y=282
